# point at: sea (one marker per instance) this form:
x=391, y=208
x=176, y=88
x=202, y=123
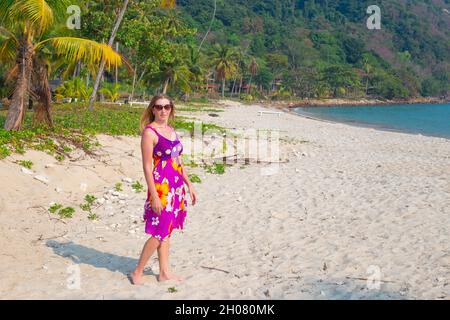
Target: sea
x=424, y=119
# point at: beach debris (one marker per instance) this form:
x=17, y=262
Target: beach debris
x=267, y=293
x=213, y=268
x=297, y=170
x=325, y=267
x=127, y=180
x=304, y=154
x=100, y=201
x=58, y=190
x=42, y=179
x=50, y=165
x=213, y=114
x=123, y=196
x=27, y=171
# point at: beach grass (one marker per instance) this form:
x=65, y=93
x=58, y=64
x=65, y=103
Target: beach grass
x=75, y=127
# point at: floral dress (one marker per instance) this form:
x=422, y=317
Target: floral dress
x=168, y=177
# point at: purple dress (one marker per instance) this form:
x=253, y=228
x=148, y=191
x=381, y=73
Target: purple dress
x=168, y=177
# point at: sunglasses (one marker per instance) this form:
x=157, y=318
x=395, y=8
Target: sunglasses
x=160, y=107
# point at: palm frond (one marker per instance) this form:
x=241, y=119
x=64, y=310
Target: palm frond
x=37, y=12
x=91, y=52
x=168, y=3
x=8, y=49
x=5, y=7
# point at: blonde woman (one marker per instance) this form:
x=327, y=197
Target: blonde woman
x=165, y=207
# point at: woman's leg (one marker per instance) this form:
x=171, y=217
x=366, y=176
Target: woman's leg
x=163, y=256
x=149, y=247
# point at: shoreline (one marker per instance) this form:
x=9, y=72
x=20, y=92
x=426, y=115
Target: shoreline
x=289, y=109
x=365, y=125
x=352, y=102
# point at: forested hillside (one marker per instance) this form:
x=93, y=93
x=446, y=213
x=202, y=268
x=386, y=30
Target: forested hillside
x=323, y=47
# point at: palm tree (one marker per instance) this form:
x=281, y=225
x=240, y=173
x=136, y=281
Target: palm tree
x=253, y=68
x=224, y=63
x=241, y=56
x=195, y=65
x=27, y=27
x=112, y=91
x=102, y=61
x=175, y=73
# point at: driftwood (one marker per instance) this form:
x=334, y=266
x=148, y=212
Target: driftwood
x=212, y=268
x=365, y=279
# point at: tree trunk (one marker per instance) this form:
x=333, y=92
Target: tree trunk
x=166, y=84
x=102, y=62
x=223, y=87
x=134, y=84
x=234, y=86
x=117, y=68
x=24, y=61
x=240, y=87
x=249, y=85
x=44, y=96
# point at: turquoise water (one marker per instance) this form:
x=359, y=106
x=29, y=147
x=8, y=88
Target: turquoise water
x=426, y=119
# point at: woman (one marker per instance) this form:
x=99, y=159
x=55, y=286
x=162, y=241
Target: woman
x=165, y=207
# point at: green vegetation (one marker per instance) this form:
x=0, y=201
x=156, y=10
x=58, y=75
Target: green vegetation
x=118, y=186
x=137, y=187
x=194, y=178
x=216, y=168
x=87, y=206
x=323, y=49
x=172, y=290
x=25, y=163
x=66, y=212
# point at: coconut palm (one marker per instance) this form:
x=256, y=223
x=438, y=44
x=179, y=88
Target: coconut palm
x=112, y=91
x=30, y=38
x=174, y=74
x=195, y=65
x=253, y=69
x=224, y=62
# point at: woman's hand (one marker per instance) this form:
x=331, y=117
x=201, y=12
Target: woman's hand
x=156, y=205
x=192, y=194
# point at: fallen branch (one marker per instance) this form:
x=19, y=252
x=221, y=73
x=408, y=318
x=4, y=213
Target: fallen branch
x=365, y=279
x=212, y=268
x=41, y=239
x=48, y=213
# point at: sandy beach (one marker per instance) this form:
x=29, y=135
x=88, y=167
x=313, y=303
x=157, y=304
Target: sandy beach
x=348, y=213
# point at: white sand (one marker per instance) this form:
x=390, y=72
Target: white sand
x=357, y=202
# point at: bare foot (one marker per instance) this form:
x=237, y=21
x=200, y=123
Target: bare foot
x=169, y=276
x=137, y=278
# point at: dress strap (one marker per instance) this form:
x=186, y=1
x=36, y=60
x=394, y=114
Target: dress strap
x=177, y=137
x=149, y=126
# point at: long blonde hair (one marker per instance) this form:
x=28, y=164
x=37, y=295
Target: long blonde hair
x=148, y=116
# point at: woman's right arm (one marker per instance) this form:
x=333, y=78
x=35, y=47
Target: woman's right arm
x=148, y=137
